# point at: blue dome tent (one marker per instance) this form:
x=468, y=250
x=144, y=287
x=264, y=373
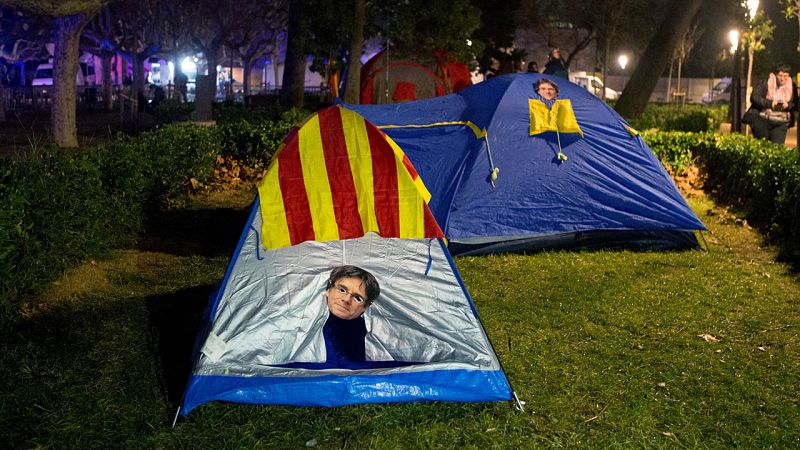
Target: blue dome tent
x=508, y=173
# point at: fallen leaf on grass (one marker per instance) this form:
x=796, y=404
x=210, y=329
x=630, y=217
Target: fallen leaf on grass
x=708, y=338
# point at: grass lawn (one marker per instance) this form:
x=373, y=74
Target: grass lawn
x=607, y=349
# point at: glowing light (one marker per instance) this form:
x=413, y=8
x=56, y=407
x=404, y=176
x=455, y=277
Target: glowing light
x=733, y=36
x=752, y=8
x=623, y=61
x=188, y=66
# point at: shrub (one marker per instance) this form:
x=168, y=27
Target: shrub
x=760, y=177
x=54, y=213
x=696, y=118
x=60, y=207
x=674, y=149
x=254, y=142
x=169, y=111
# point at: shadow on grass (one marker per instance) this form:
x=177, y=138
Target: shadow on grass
x=175, y=320
x=203, y=232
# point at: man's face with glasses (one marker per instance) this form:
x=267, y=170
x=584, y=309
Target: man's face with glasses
x=347, y=298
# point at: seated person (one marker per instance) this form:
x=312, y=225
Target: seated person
x=350, y=290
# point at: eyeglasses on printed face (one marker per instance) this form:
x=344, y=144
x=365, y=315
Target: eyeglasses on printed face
x=344, y=291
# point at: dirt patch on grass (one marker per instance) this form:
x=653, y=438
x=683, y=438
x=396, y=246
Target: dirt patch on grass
x=690, y=181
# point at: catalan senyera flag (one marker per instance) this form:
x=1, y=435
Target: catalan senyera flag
x=340, y=177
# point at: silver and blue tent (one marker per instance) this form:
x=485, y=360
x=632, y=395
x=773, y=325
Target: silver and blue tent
x=340, y=192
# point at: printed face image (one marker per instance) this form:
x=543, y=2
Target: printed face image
x=547, y=91
x=347, y=298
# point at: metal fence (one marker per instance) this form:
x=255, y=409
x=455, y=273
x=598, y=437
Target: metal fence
x=38, y=98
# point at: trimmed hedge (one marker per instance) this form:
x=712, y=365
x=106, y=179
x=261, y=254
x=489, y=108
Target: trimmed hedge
x=691, y=117
x=59, y=207
x=761, y=178
x=253, y=141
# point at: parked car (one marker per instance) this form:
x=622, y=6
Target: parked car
x=594, y=85
x=719, y=94
x=44, y=75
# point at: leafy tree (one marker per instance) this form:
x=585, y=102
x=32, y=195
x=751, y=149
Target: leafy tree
x=498, y=23
x=637, y=91
x=68, y=19
x=759, y=31
x=682, y=51
x=356, y=40
x=411, y=26
x=101, y=37
x=258, y=32
x=792, y=10
x=22, y=38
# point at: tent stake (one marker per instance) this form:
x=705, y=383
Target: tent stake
x=519, y=404
x=708, y=249
x=177, y=413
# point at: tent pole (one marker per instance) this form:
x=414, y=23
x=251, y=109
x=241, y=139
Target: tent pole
x=178, y=412
x=386, y=91
x=495, y=170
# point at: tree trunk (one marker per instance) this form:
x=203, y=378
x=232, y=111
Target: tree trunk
x=606, y=51
x=275, y=69
x=108, y=101
x=67, y=31
x=749, y=77
x=669, y=80
x=294, y=68
x=139, y=79
x=2, y=104
x=246, y=64
x=655, y=58
x=352, y=92
x=681, y=98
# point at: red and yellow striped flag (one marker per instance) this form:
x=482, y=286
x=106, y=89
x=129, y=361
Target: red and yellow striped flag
x=339, y=177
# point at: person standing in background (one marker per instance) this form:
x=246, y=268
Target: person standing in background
x=556, y=65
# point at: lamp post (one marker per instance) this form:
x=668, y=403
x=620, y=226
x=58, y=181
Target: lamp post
x=736, y=83
x=623, y=63
x=752, y=9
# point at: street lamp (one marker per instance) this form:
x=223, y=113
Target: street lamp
x=752, y=8
x=733, y=36
x=623, y=61
x=736, y=83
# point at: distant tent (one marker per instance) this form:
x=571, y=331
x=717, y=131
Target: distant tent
x=387, y=78
x=340, y=192
x=508, y=173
